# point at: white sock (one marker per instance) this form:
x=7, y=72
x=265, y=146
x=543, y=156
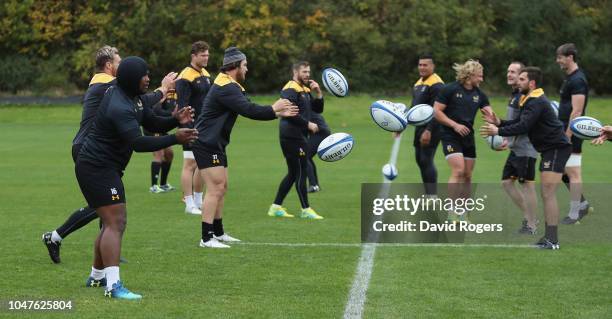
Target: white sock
x=584, y=205
x=55, y=237
x=197, y=198
x=97, y=274
x=574, y=209
x=189, y=201
x=276, y=206
x=112, y=276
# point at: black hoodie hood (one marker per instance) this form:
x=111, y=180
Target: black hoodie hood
x=129, y=73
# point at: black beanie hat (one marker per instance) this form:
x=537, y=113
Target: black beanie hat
x=129, y=73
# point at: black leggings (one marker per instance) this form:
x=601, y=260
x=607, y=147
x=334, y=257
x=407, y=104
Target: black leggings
x=297, y=164
x=425, y=159
x=313, y=144
x=77, y=220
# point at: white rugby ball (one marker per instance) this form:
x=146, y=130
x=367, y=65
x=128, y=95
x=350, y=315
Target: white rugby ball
x=586, y=127
x=389, y=116
x=420, y=114
x=335, y=147
x=334, y=82
x=495, y=142
x=555, y=107
x=389, y=171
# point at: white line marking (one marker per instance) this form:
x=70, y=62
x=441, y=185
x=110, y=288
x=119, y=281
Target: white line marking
x=360, y=245
x=361, y=281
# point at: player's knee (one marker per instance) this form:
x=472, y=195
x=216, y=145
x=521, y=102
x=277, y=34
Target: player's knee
x=507, y=183
x=117, y=223
x=458, y=172
x=467, y=177
x=218, y=189
x=548, y=191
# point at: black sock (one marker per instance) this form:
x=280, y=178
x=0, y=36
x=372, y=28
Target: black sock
x=218, y=227
x=165, y=169
x=155, y=167
x=78, y=219
x=551, y=233
x=207, y=231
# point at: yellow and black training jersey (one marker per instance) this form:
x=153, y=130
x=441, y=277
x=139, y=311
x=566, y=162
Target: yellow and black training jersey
x=192, y=87
x=99, y=83
x=538, y=120
x=226, y=99
x=297, y=127
x=425, y=91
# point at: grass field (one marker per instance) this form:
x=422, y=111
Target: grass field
x=180, y=280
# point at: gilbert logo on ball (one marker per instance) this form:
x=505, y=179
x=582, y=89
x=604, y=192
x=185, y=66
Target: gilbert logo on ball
x=335, y=147
x=586, y=127
x=334, y=82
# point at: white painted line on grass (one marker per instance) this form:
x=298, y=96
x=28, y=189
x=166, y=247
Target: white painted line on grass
x=357, y=295
x=360, y=245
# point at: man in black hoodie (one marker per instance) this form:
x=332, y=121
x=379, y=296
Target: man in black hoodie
x=538, y=120
x=105, y=154
x=107, y=61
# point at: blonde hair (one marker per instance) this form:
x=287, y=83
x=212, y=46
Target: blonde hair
x=466, y=70
x=105, y=54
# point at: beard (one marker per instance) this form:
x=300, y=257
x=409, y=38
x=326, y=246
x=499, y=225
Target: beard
x=305, y=81
x=240, y=76
x=524, y=91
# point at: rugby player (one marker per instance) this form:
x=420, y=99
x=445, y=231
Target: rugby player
x=538, y=120
x=107, y=60
x=427, y=137
x=574, y=94
x=191, y=89
x=520, y=165
x=293, y=135
x=455, y=109
x=162, y=159
x=104, y=156
x=225, y=101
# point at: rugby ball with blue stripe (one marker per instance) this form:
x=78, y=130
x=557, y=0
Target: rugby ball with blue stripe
x=420, y=114
x=496, y=142
x=389, y=171
x=335, y=83
x=335, y=147
x=389, y=116
x=555, y=107
x=586, y=127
